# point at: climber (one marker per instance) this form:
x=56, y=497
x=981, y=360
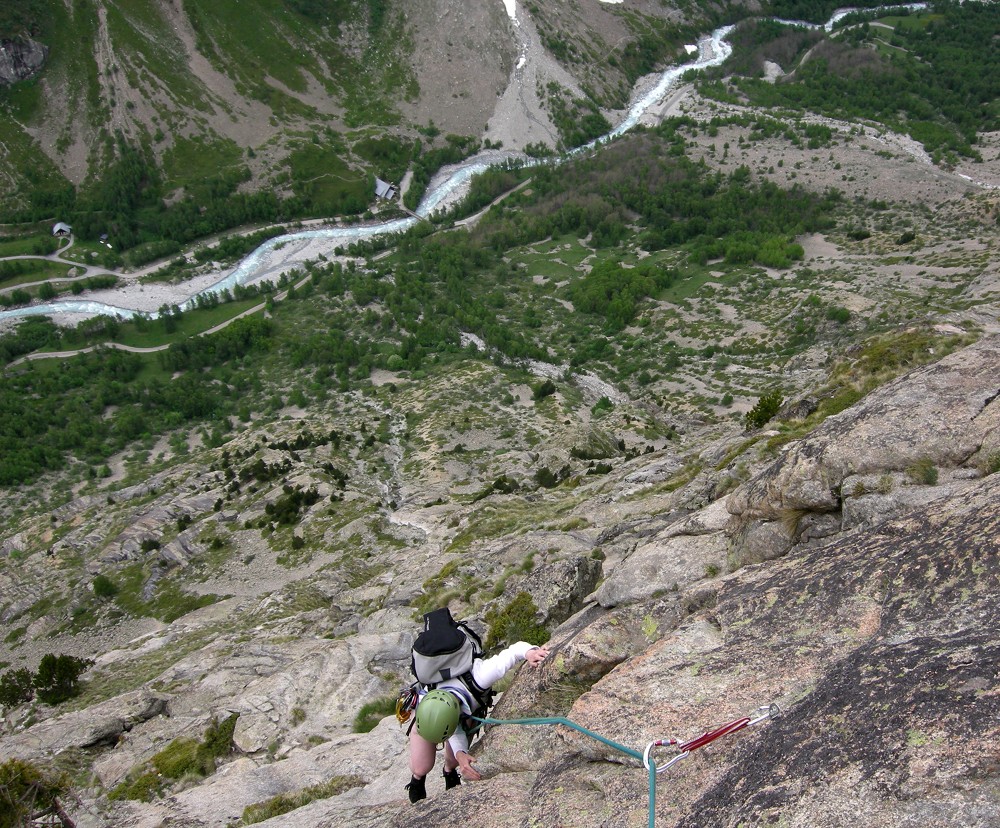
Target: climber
x=443, y=714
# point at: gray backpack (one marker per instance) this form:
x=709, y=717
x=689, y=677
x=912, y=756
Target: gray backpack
x=445, y=649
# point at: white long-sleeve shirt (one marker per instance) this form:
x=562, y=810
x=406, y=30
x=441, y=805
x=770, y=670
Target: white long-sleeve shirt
x=486, y=672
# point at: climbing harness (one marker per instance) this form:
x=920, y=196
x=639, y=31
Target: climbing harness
x=686, y=748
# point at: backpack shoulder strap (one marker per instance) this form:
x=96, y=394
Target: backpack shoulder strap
x=473, y=636
x=482, y=695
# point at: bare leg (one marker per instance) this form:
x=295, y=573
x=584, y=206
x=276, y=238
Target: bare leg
x=422, y=755
x=450, y=762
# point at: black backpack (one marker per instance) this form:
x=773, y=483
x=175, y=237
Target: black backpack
x=446, y=649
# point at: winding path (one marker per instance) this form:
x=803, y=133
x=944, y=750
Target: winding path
x=118, y=346
x=58, y=258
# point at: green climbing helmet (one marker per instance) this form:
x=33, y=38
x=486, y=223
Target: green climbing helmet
x=437, y=716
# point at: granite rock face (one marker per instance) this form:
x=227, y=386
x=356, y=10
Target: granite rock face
x=945, y=416
x=859, y=597
x=869, y=621
x=20, y=59
x=103, y=724
x=879, y=648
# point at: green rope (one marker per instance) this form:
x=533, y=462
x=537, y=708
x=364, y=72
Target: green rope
x=772, y=712
x=554, y=720
x=558, y=720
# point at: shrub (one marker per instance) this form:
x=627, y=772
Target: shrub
x=16, y=687
x=58, y=677
x=142, y=786
x=839, y=315
x=104, y=587
x=373, y=712
x=218, y=741
x=603, y=404
x=515, y=622
x=546, y=478
x=180, y=758
x=15, y=635
x=992, y=464
x=923, y=471
x=283, y=803
x=184, y=756
x=504, y=485
x=560, y=695
x=765, y=409
x=544, y=389
x=28, y=793
x=597, y=445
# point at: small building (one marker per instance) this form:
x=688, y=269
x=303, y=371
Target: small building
x=383, y=189
x=61, y=229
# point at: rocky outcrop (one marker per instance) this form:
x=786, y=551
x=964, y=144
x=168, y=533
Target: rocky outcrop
x=559, y=589
x=873, y=633
x=20, y=59
x=936, y=425
x=869, y=618
x=879, y=648
x=677, y=556
x=103, y=724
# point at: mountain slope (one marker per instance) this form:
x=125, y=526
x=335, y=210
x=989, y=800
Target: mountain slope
x=210, y=89
x=538, y=417
x=869, y=621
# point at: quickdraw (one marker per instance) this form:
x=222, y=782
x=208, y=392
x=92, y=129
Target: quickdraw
x=768, y=711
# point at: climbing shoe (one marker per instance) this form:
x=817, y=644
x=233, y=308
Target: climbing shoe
x=417, y=789
x=452, y=779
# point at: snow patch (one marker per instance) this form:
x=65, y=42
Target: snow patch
x=511, y=6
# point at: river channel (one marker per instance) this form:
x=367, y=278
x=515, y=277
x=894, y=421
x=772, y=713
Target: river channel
x=712, y=50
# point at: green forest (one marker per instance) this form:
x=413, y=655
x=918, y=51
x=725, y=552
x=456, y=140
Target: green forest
x=25, y=17
x=431, y=287
x=168, y=183
x=406, y=311
x=934, y=76
x=814, y=11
